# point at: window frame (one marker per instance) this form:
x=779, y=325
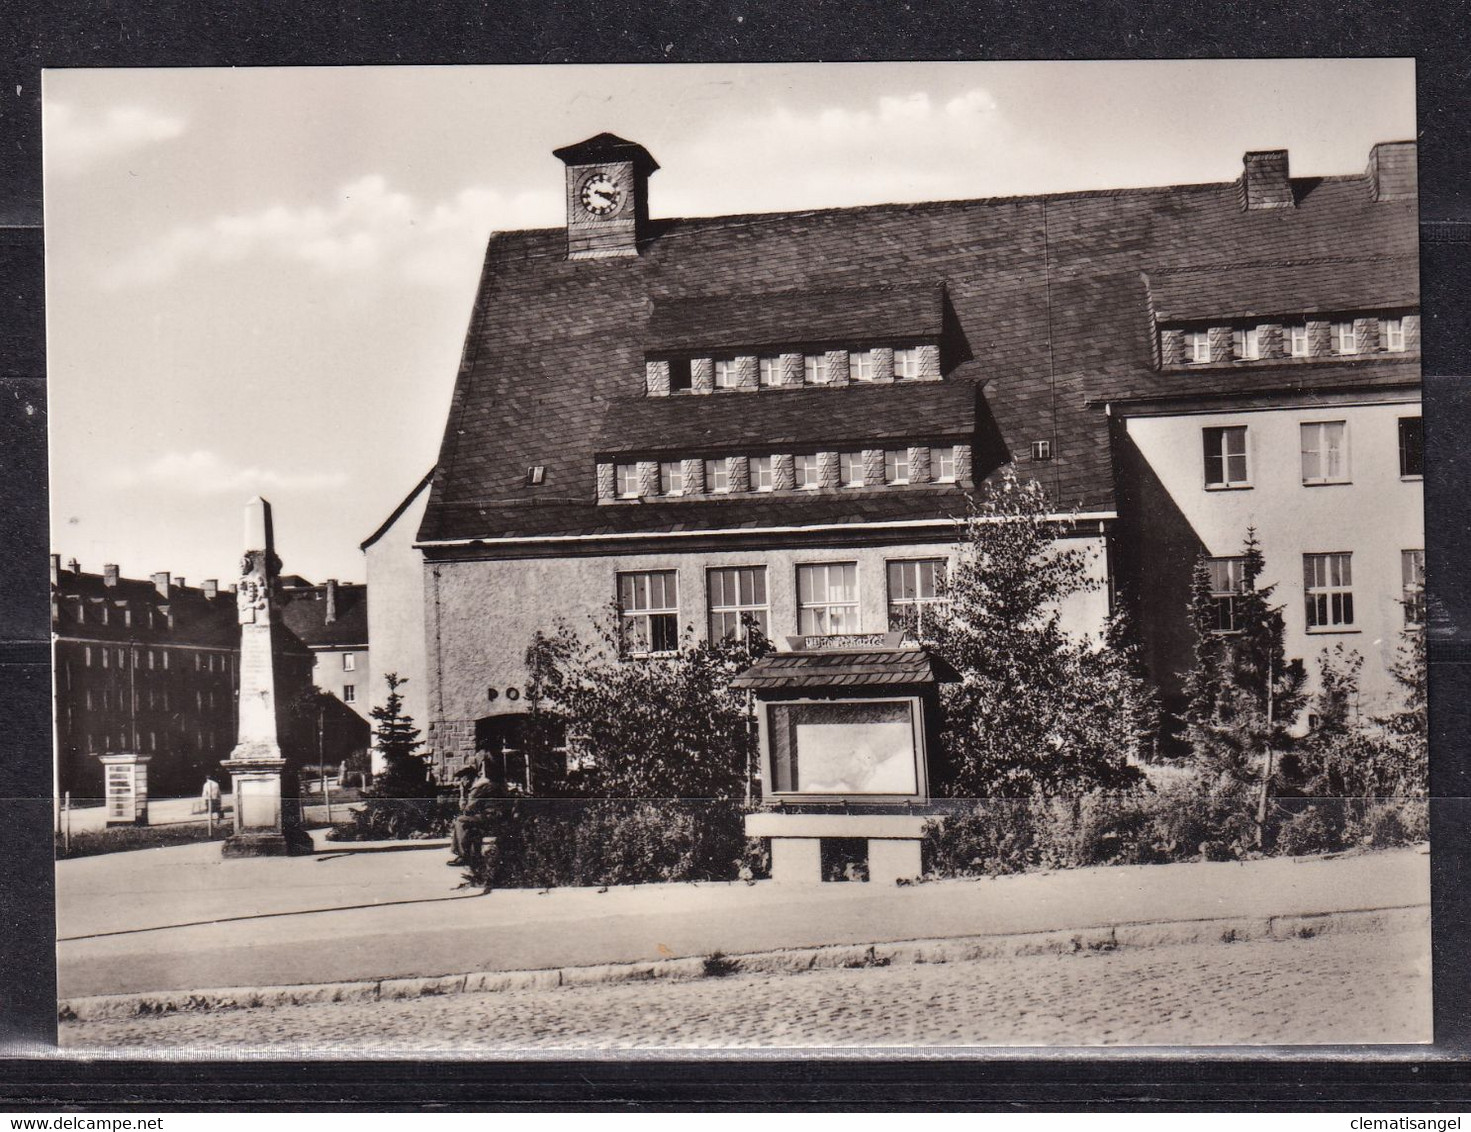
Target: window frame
x=937, y=463
x=671, y=478
x=855, y=460
x=939, y=574
x=725, y=372
x=1412, y=587
x=669, y=631
x=349, y=661
x=1196, y=348
x=826, y=606
x=768, y=371
x=349, y=693
x=1224, y=597
x=1224, y=455
x=1246, y=343
x=1393, y=334
x=1321, y=452
x=762, y=467
x=1343, y=338
x=681, y=375
x=737, y=608
x=622, y=473
x=896, y=459
x=860, y=365
x=1334, y=598
x=1405, y=450
x=802, y=463
x=907, y=363
x=1296, y=342
x=720, y=464
x=814, y=370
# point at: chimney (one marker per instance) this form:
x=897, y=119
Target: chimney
x=74, y=566
x=1392, y=173
x=109, y=574
x=211, y=588
x=161, y=584
x=331, y=600
x=179, y=581
x=55, y=569
x=1264, y=180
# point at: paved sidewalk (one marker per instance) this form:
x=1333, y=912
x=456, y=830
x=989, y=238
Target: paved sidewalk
x=183, y=918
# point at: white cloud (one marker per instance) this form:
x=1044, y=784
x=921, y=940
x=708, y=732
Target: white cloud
x=74, y=140
x=206, y=473
x=367, y=226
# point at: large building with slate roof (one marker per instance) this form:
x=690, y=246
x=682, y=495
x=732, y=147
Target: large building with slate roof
x=781, y=414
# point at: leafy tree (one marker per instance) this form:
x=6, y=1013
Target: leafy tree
x=405, y=766
x=1244, y=695
x=645, y=727
x=1037, y=711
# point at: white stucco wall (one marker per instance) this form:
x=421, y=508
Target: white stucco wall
x=1374, y=516
x=396, y=629
x=488, y=611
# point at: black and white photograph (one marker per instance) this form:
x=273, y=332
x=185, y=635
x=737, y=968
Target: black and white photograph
x=727, y=559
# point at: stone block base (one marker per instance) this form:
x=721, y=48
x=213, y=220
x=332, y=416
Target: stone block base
x=890, y=861
x=796, y=860
x=294, y=844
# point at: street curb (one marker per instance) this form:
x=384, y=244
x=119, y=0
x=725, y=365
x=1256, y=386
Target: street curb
x=1224, y=930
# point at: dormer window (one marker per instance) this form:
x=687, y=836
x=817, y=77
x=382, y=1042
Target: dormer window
x=1394, y=335
x=850, y=469
x=762, y=474
x=896, y=466
x=906, y=362
x=942, y=463
x=815, y=369
x=1345, y=340
x=680, y=378
x=1197, y=346
x=671, y=478
x=860, y=365
x=1246, y=344
x=1295, y=340
x=627, y=478
x=717, y=475
x=725, y=373
x=806, y=473
x=769, y=371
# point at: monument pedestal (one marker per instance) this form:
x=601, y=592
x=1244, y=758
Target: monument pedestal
x=263, y=825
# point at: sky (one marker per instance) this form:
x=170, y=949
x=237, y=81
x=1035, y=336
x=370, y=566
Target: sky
x=259, y=281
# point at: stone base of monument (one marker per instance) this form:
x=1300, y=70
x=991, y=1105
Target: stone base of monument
x=265, y=825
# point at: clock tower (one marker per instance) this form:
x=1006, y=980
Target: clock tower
x=607, y=196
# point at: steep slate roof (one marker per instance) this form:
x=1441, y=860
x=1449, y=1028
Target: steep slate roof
x=198, y=620
x=1275, y=289
x=1046, y=315
x=304, y=612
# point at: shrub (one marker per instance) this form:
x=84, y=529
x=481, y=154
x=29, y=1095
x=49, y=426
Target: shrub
x=120, y=839
x=1384, y=825
x=399, y=819
x=545, y=843
x=1315, y=829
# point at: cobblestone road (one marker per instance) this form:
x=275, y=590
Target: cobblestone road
x=1334, y=988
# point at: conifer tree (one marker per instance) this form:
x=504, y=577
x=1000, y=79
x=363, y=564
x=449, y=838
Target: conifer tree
x=405, y=766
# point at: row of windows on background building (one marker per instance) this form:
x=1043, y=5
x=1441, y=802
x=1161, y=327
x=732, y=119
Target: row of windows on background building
x=1346, y=337
x=104, y=613
x=806, y=473
x=144, y=740
x=1324, y=453
x=817, y=369
x=108, y=656
x=1328, y=594
x=827, y=601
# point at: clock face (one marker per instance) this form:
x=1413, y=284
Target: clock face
x=600, y=195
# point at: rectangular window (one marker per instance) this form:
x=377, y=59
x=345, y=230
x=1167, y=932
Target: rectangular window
x=349, y=693
x=105, y=653
x=349, y=662
x=165, y=661
x=680, y=378
x=1325, y=452
x=87, y=656
x=806, y=473
x=725, y=373
x=1328, y=589
x=1295, y=340
x=627, y=476
x=916, y=590
x=850, y=469
x=827, y=598
x=1225, y=457
x=762, y=478
x=1227, y=584
x=1411, y=446
x=671, y=477
x=814, y=368
x=1197, y=346
x=736, y=591
x=1345, y=341
x=717, y=475
x=1246, y=343
x=768, y=371
x=1394, y=335
x=860, y=365
x=942, y=463
x=896, y=465
x=906, y=362
x=648, y=612
x=1412, y=571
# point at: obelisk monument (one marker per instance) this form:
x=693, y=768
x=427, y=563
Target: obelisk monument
x=267, y=822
